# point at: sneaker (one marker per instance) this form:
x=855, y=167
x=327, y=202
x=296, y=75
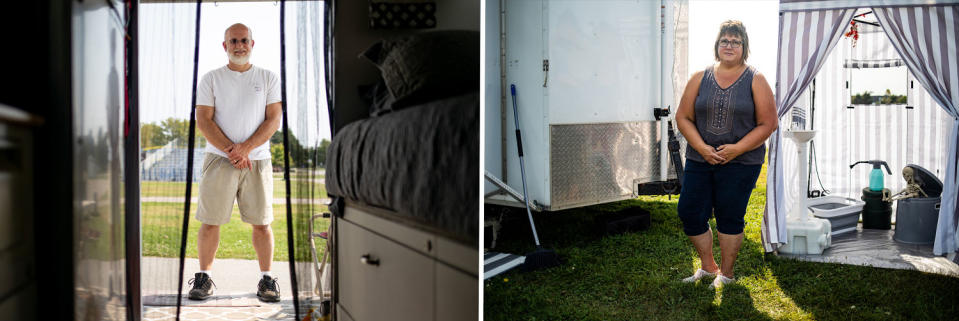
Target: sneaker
x=202, y=286
x=720, y=281
x=700, y=273
x=268, y=290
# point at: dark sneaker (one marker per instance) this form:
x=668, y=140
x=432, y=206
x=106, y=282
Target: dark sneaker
x=268, y=290
x=202, y=286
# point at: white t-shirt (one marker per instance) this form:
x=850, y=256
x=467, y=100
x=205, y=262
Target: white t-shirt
x=240, y=100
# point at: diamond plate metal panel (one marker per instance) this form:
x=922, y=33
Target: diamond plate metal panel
x=597, y=163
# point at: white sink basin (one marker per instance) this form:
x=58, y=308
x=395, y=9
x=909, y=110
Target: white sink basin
x=800, y=136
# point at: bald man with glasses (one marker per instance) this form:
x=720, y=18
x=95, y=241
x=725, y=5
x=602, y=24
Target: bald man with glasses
x=238, y=110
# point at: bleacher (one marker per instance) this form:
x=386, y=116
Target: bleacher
x=169, y=164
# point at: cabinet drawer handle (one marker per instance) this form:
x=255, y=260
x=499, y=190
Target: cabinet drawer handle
x=367, y=259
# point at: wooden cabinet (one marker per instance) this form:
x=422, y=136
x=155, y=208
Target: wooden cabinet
x=388, y=270
x=381, y=279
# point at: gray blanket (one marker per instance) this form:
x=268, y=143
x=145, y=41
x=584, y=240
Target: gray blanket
x=421, y=162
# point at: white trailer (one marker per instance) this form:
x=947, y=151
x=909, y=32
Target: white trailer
x=590, y=76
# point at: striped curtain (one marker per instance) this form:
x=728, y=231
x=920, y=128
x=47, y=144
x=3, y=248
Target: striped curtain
x=899, y=134
x=810, y=35
x=926, y=38
x=872, y=63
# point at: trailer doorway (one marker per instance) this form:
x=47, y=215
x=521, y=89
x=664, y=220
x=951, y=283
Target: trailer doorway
x=178, y=43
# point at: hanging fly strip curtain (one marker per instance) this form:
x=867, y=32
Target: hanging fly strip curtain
x=173, y=150
x=189, y=164
x=308, y=135
x=303, y=150
x=286, y=163
x=166, y=67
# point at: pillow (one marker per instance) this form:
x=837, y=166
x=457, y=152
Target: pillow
x=378, y=97
x=428, y=65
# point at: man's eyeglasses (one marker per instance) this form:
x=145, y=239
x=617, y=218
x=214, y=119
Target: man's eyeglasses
x=730, y=44
x=234, y=41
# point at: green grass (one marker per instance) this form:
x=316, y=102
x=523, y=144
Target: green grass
x=636, y=276
x=299, y=175
x=176, y=189
x=162, y=222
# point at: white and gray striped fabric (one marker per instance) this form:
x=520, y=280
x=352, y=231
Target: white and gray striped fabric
x=924, y=36
x=901, y=134
x=926, y=39
x=873, y=43
x=808, y=5
x=806, y=37
x=882, y=63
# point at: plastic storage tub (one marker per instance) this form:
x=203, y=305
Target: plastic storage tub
x=842, y=212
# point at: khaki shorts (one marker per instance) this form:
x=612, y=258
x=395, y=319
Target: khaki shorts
x=221, y=184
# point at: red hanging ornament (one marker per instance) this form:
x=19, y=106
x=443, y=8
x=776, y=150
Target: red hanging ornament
x=853, y=32
x=854, y=29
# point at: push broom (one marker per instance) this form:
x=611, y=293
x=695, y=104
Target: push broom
x=541, y=258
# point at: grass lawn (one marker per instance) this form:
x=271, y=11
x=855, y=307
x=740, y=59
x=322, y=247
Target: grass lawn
x=300, y=175
x=636, y=276
x=161, y=223
x=157, y=188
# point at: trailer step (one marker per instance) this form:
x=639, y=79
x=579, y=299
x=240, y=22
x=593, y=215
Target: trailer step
x=495, y=263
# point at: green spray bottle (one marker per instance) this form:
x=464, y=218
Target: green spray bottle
x=875, y=176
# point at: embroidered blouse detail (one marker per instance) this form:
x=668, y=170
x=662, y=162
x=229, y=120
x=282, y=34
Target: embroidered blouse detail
x=720, y=114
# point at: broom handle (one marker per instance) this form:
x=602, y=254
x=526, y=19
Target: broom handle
x=522, y=165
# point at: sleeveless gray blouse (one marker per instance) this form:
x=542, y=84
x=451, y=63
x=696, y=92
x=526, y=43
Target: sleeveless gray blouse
x=725, y=115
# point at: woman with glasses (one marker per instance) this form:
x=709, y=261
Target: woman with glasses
x=726, y=113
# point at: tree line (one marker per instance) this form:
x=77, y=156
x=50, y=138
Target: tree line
x=156, y=135
x=299, y=156
x=866, y=98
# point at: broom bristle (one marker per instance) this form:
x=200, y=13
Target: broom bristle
x=540, y=259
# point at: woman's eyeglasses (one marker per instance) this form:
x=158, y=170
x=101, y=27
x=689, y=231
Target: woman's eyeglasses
x=730, y=44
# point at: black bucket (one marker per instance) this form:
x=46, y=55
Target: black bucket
x=876, y=214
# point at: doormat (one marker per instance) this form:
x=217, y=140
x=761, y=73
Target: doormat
x=217, y=300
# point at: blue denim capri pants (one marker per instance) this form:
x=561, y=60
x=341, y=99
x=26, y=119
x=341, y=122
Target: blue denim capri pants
x=722, y=190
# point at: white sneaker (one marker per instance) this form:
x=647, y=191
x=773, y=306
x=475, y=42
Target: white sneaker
x=720, y=281
x=700, y=273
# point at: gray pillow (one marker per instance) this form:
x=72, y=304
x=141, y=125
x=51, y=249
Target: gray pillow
x=427, y=66
x=377, y=97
